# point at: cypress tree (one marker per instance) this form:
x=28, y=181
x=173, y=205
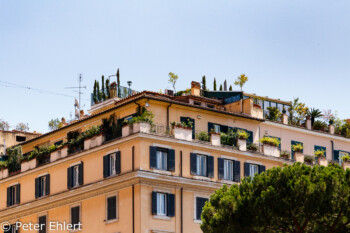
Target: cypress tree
x=99, y=96
x=118, y=82
x=220, y=87
x=204, y=83
x=94, y=95
x=230, y=88
x=107, y=89
x=214, y=84
x=103, y=88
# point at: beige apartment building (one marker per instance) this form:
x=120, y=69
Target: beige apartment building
x=148, y=178
x=11, y=138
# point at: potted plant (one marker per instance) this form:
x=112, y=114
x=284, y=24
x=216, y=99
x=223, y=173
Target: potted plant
x=270, y=146
x=126, y=128
x=252, y=147
x=284, y=116
x=3, y=169
x=143, y=122
x=29, y=161
x=321, y=158
x=285, y=155
x=242, y=137
x=214, y=138
x=298, y=155
x=14, y=160
x=93, y=137
x=183, y=131
x=203, y=136
x=319, y=125
x=309, y=160
x=346, y=162
x=331, y=127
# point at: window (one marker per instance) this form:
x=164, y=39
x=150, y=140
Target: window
x=217, y=128
x=163, y=204
x=13, y=195
x=42, y=186
x=58, y=143
x=111, y=208
x=322, y=148
x=210, y=105
x=111, y=164
x=75, y=176
x=10, y=229
x=341, y=154
x=202, y=165
x=253, y=169
x=42, y=224
x=75, y=217
x=162, y=158
x=20, y=139
x=200, y=202
x=229, y=170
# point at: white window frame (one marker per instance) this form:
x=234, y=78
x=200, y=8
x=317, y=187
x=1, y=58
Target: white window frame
x=341, y=154
x=163, y=211
x=42, y=181
x=117, y=208
x=251, y=169
x=112, y=160
x=228, y=164
x=75, y=175
x=14, y=193
x=201, y=170
x=162, y=156
x=217, y=128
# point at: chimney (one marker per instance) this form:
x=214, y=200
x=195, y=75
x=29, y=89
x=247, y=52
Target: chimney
x=81, y=113
x=63, y=121
x=169, y=92
x=195, y=88
x=225, y=85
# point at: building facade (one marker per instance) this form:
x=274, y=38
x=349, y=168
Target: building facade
x=11, y=138
x=145, y=179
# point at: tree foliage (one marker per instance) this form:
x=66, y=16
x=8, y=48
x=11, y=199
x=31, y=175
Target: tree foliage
x=22, y=127
x=214, y=84
x=297, y=112
x=4, y=125
x=204, y=83
x=295, y=198
x=241, y=80
x=55, y=124
x=172, y=79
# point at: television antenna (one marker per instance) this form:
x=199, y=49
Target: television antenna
x=77, y=103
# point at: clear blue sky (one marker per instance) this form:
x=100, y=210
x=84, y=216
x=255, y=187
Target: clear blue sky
x=287, y=48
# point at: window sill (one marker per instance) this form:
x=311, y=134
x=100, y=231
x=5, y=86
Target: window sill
x=163, y=172
x=162, y=217
x=230, y=182
x=202, y=178
x=111, y=221
x=197, y=221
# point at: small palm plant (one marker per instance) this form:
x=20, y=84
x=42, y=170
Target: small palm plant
x=314, y=113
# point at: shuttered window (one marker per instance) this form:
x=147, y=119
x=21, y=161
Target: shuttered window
x=10, y=229
x=75, y=176
x=42, y=186
x=163, y=204
x=42, y=224
x=111, y=164
x=111, y=208
x=13, y=195
x=202, y=165
x=200, y=202
x=253, y=169
x=162, y=158
x=75, y=216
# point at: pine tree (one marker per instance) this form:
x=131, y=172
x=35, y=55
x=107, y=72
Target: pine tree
x=230, y=88
x=220, y=87
x=214, y=84
x=103, y=88
x=204, y=83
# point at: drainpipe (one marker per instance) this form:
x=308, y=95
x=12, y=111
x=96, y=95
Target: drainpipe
x=133, y=209
x=167, y=116
x=139, y=112
x=259, y=137
x=182, y=209
x=332, y=149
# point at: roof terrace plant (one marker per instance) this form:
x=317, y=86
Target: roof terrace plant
x=14, y=158
x=274, y=113
x=271, y=141
x=242, y=134
x=320, y=153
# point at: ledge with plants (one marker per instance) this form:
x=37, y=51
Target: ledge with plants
x=285, y=155
x=14, y=160
x=203, y=136
x=321, y=157
x=242, y=137
x=310, y=160
x=182, y=130
x=298, y=155
x=3, y=169
x=270, y=146
x=215, y=138
x=346, y=162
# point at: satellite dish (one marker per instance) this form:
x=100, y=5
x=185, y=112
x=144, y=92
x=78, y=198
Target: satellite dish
x=76, y=103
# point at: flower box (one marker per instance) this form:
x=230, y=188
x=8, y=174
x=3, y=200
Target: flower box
x=64, y=152
x=55, y=155
x=93, y=142
x=299, y=157
x=4, y=173
x=183, y=133
x=331, y=129
x=141, y=127
x=285, y=119
x=271, y=150
x=242, y=144
x=126, y=130
x=27, y=165
x=215, y=139
x=345, y=165
x=322, y=161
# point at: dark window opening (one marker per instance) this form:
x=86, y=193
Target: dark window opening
x=20, y=138
x=197, y=103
